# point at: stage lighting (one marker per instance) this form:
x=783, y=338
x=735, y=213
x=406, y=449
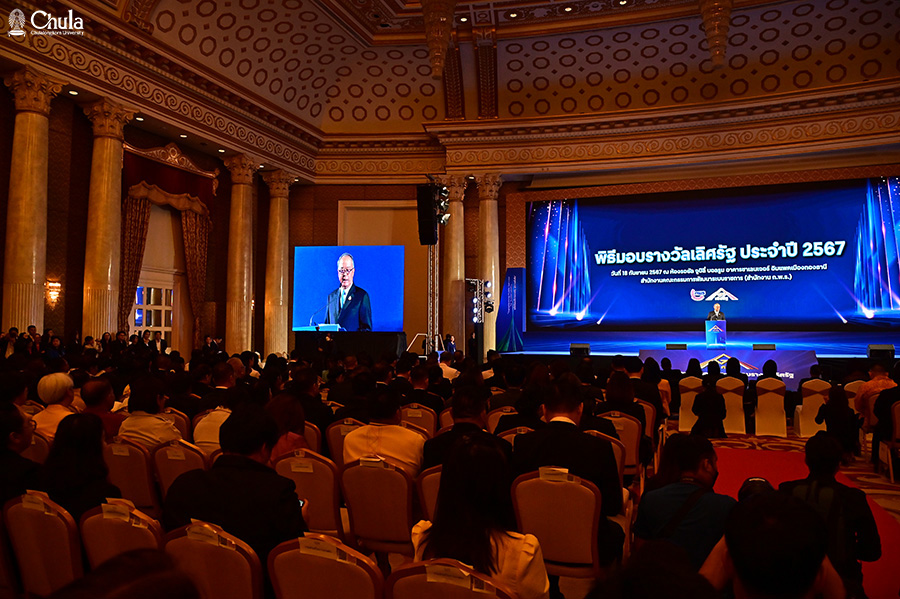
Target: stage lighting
x=474, y=300
x=488, y=307
x=488, y=295
x=475, y=319
x=487, y=284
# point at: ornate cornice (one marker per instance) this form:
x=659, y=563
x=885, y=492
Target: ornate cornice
x=376, y=169
x=242, y=168
x=279, y=183
x=179, y=201
x=172, y=155
x=108, y=118
x=33, y=90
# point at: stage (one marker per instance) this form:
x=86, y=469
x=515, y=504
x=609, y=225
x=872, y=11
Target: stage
x=825, y=344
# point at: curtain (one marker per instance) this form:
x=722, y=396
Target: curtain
x=195, y=231
x=135, y=222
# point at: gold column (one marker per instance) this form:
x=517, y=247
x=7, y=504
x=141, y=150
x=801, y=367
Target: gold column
x=239, y=290
x=489, y=248
x=277, y=257
x=25, y=261
x=103, y=251
x=453, y=273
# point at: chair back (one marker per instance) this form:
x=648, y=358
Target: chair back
x=422, y=416
x=629, y=430
x=770, y=416
x=895, y=417
x=317, y=566
x=649, y=416
x=494, y=416
x=130, y=469
x=334, y=436
x=511, y=434
x=441, y=579
x=732, y=389
x=618, y=451
x=379, y=502
x=446, y=417
x=171, y=460
x=568, y=537
x=113, y=528
x=815, y=393
x=180, y=420
x=428, y=484
x=45, y=542
x=415, y=428
x=200, y=416
x=665, y=394
x=220, y=565
x=38, y=450
x=443, y=430
x=852, y=389
x=689, y=387
x=316, y=479
x=313, y=436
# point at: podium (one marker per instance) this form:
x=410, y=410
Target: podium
x=715, y=334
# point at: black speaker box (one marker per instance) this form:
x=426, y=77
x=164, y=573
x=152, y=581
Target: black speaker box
x=881, y=352
x=764, y=346
x=427, y=215
x=579, y=349
x=676, y=345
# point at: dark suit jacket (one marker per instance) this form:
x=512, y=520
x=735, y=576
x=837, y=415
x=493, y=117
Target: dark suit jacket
x=16, y=474
x=429, y=400
x=712, y=315
x=562, y=444
x=649, y=393
x=246, y=498
x=356, y=315
x=436, y=449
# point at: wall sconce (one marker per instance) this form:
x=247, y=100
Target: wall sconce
x=54, y=288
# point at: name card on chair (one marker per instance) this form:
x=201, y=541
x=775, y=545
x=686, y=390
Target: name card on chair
x=301, y=466
x=373, y=462
x=204, y=533
x=114, y=511
x=175, y=453
x=556, y=475
x=414, y=413
x=322, y=549
x=120, y=450
x=34, y=500
x=447, y=575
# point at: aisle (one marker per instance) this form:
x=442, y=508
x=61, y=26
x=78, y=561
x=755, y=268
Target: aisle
x=736, y=465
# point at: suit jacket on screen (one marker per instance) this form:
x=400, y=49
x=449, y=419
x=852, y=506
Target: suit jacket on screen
x=356, y=315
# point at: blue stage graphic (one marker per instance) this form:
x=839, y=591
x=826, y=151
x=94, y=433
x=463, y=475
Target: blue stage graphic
x=813, y=257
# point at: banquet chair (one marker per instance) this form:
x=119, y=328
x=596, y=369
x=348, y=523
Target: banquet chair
x=629, y=430
x=38, y=450
x=428, y=484
x=511, y=434
x=446, y=417
x=852, y=389
x=422, y=416
x=494, y=416
x=770, y=416
x=180, y=420
x=130, y=469
x=618, y=451
x=689, y=387
x=627, y=516
x=171, y=460
x=317, y=566
x=379, y=497
x=568, y=537
x=441, y=579
x=220, y=565
x=815, y=393
x=732, y=389
x=334, y=436
x=113, y=528
x=665, y=394
x=45, y=543
x=313, y=436
x=316, y=479
x=889, y=448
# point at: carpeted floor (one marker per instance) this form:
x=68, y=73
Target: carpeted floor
x=779, y=460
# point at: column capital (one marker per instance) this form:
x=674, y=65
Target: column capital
x=279, y=182
x=242, y=168
x=456, y=184
x=109, y=118
x=488, y=185
x=33, y=90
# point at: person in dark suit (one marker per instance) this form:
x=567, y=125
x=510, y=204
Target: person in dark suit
x=17, y=473
x=709, y=407
x=469, y=409
x=420, y=393
x=158, y=345
x=305, y=386
x=644, y=390
x=716, y=313
x=348, y=305
x=561, y=444
x=240, y=492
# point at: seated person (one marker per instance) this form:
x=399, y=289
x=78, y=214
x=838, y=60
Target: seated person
x=474, y=521
x=687, y=512
x=75, y=474
x=882, y=410
x=420, y=394
x=14, y=389
x=57, y=391
x=17, y=473
x=841, y=421
x=878, y=382
x=240, y=492
x=469, y=409
x=383, y=436
x=709, y=407
x=773, y=548
x=144, y=425
x=99, y=398
x=287, y=411
x=528, y=411
x=852, y=533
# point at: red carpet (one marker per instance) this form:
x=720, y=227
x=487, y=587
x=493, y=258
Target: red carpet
x=881, y=578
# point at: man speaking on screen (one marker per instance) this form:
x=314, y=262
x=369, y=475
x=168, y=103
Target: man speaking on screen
x=348, y=305
x=716, y=313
